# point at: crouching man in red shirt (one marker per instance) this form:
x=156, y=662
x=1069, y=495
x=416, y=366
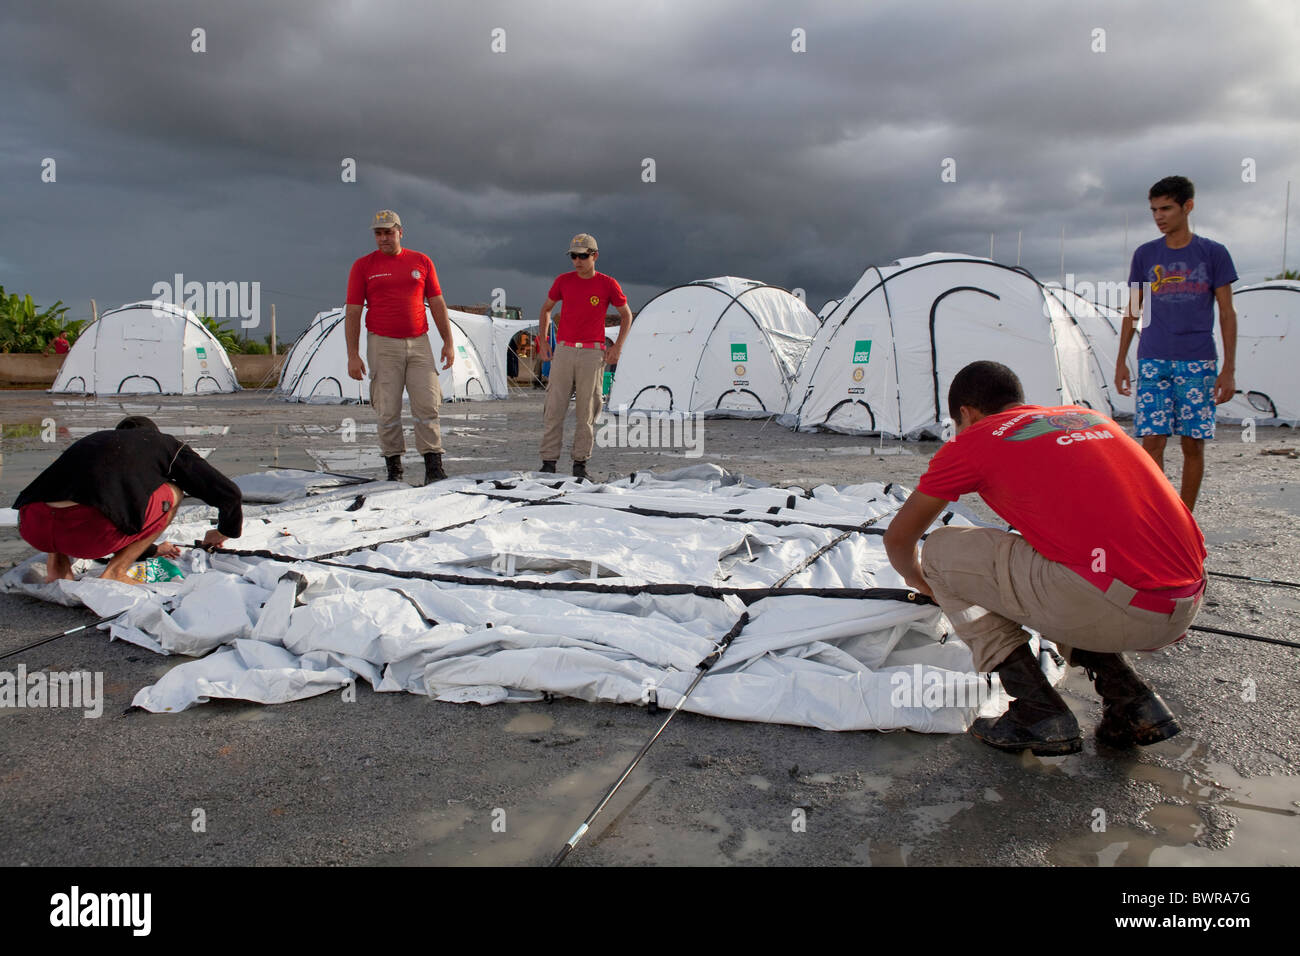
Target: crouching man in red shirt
x=114, y=492
x=1108, y=559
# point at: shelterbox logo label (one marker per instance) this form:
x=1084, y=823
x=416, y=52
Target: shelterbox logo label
x=862, y=352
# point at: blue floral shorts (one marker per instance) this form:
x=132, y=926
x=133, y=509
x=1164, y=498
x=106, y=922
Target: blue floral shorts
x=1176, y=397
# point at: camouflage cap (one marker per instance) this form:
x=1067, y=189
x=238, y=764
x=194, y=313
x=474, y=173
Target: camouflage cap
x=386, y=219
x=583, y=243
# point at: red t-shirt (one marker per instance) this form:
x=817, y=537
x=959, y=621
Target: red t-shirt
x=1072, y=482
x=393, y=290
x=61, y=345
x=585, y=303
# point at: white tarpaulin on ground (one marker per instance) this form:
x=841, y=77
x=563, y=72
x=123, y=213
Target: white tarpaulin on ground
x=513, y=587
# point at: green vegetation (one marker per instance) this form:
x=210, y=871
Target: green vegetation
x=262, y=346
x=24, y=329
x=228, y=338
x=1288, y=274
x=21, y=430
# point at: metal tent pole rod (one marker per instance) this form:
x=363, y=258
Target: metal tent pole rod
x=1253, y=580
x=1244, y=637
x=55, y=637
x=703, y=667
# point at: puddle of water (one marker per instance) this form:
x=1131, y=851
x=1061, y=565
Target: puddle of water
x=530, y=723
x=1282, y=496
x=500, y=836
x=370, y=458
x=1213, y=538
x=878, y=785
x=79, y=431
x=760, y=782
x=872, y=852
x=752, y=844
x=1108, y=855
x=931, y=819
x=1267, y=831
x=859, y=451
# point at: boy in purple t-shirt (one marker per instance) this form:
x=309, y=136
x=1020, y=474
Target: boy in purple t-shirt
x=1179, y=381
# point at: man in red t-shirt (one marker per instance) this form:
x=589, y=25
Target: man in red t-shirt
x=394, y=285
x=1108, y=558
x=580, y=356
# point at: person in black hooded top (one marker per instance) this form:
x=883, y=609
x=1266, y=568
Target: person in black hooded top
x=114, y=492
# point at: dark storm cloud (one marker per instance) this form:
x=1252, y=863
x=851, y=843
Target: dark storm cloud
x=798, y=169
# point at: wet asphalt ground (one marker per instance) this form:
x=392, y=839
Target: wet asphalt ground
x=400, y=779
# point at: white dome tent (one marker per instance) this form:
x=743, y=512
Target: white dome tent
x=830, y=306
x=724, y=346
x=885, y=356
x=1101, y=326
x=146, y=348
x=316, y=368
x=1268, y=354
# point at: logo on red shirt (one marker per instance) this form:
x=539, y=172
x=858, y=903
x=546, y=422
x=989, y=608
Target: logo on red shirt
x=1050, y=424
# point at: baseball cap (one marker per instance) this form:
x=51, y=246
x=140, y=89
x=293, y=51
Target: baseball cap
x=386, y=219
x=583, y=243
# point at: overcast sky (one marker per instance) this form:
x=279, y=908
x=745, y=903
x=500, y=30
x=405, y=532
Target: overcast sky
x=795, y=168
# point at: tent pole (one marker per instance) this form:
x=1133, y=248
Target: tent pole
x=55, y=637
x=703, y=668
x=94, y=310
x=273, y=332
x=1286, y=224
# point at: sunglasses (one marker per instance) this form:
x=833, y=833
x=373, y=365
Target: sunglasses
x=579, y=255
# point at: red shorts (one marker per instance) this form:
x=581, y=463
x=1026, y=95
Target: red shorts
x=83, y=532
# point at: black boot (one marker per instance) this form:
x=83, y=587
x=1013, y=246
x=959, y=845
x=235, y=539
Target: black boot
x=1131, y=712
x=394, y=463
x=433, y=467
x=580, y=469
x=548, y=467
x=1037, y=720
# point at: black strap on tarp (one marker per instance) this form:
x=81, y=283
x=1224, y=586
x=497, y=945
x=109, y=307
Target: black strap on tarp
x=746, y=595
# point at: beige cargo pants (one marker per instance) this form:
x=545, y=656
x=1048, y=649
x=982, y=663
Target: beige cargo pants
x=990, y=582
x=397, y=365
x=572, y=370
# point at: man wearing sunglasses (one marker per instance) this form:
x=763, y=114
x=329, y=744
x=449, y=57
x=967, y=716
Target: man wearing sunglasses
x=580, y=356
x=394, y=284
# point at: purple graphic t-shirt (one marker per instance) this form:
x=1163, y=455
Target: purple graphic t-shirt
x=1180, y=297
